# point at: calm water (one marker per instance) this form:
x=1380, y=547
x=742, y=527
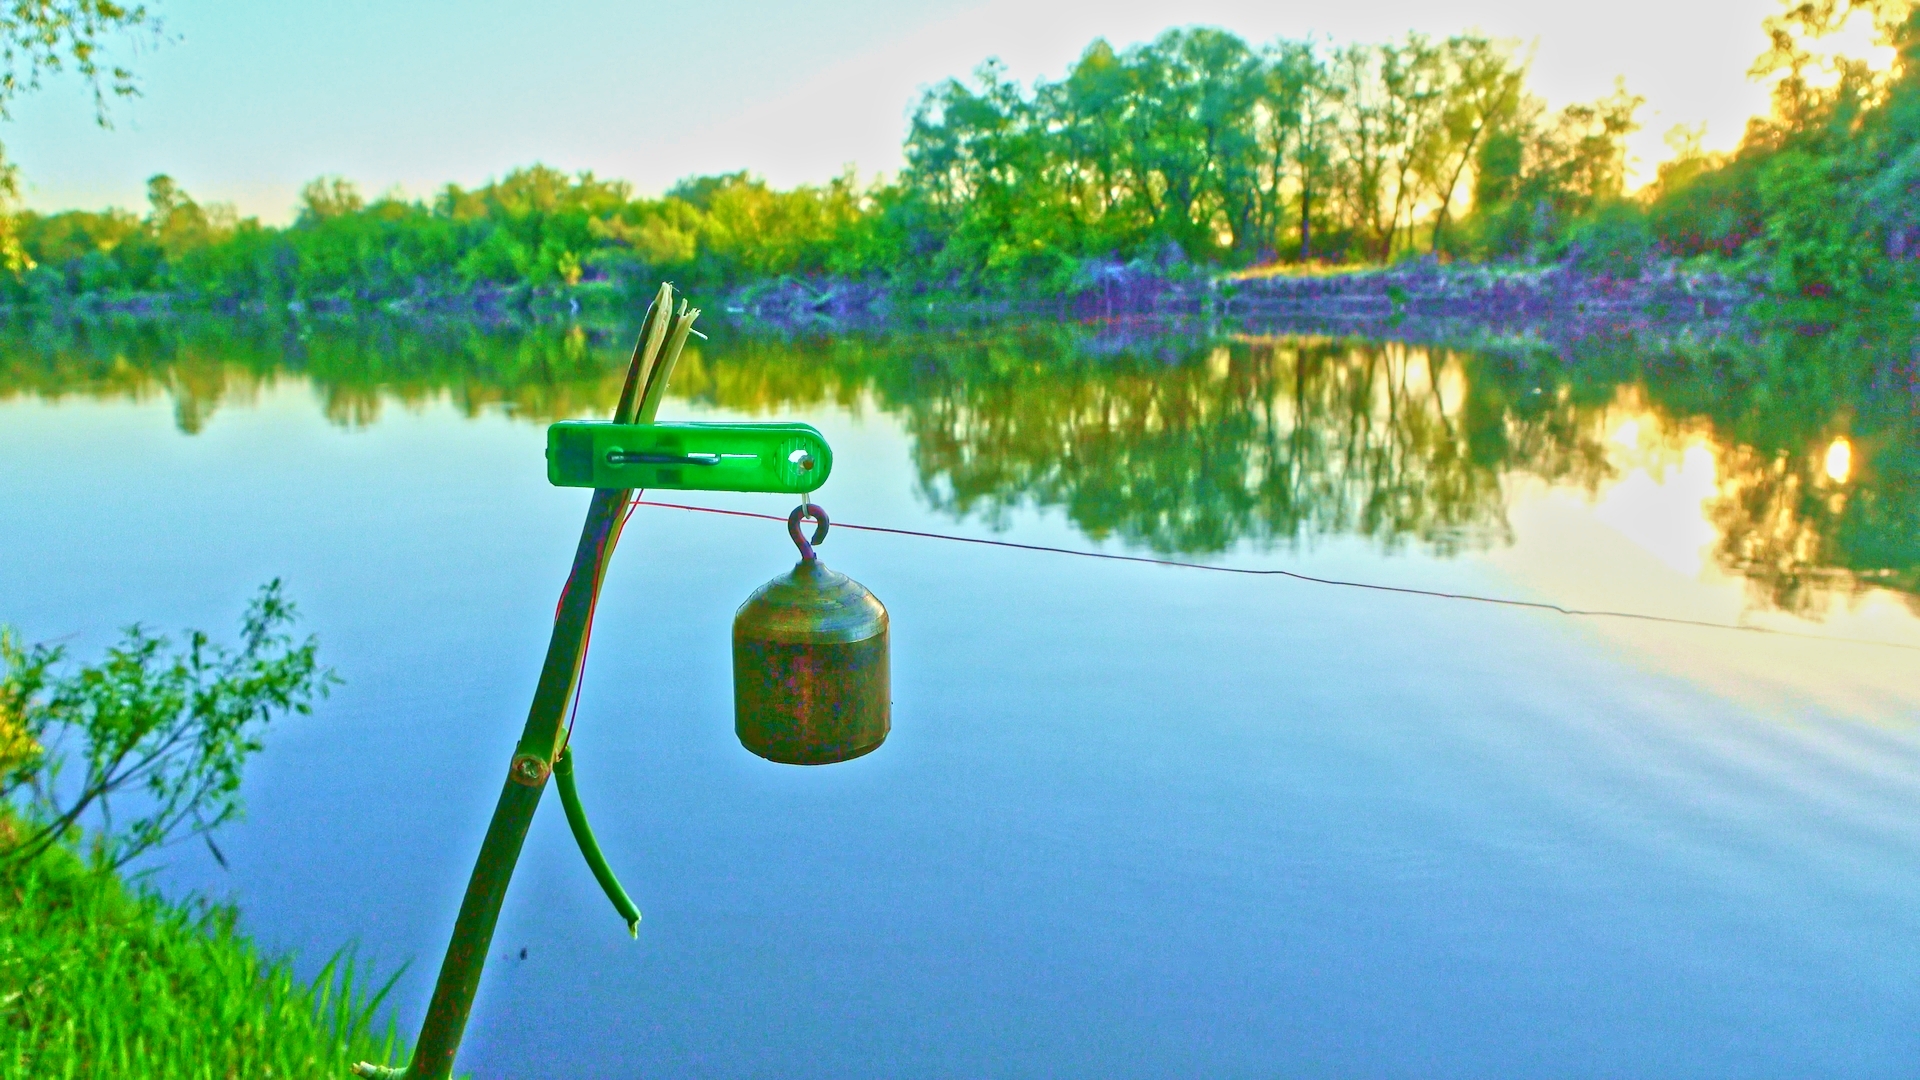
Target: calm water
x=1132, y=821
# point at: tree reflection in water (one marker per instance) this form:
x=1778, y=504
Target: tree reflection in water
x=1186, y=442
x=1262, y=440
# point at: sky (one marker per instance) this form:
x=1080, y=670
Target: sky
x=245, y=102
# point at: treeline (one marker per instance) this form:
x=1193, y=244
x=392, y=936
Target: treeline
x=1191, y=154
x=1204, y=148
x=1823, y=194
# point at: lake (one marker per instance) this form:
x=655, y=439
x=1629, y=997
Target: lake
x=1133, y=820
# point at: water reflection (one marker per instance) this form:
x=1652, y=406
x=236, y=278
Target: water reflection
x=1789, y=460
x=357, y=369
x=1258, y=440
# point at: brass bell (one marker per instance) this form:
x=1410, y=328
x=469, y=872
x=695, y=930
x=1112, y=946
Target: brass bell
x=811, y=682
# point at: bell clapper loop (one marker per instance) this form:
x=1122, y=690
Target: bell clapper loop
x=818, y=513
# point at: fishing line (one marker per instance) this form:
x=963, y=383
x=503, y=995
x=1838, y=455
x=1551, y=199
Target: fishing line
x=1536, y=605
x=593, y=608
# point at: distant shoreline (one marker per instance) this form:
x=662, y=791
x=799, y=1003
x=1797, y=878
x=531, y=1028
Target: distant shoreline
x=1557, y=298
x=1554, y=297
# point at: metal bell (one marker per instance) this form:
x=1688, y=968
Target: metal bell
x=811, y=682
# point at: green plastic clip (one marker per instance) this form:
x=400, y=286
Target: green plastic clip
x=787, y=459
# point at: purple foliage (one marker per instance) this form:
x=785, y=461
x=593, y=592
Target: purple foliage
x=1558, y=299
x=797, y=302
x=1424, y=288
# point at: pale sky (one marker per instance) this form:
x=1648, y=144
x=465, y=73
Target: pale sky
x=246, y=101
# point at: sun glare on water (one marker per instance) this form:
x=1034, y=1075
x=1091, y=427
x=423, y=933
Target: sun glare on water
x=1839, y=460
x=1659, y=505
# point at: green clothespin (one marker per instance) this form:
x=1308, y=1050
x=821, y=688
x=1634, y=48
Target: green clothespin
x=790, y=459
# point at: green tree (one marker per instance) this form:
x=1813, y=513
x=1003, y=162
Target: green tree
x=45, y=37
x=1314, y=145
x=170, y=727
x=1549, y=170
x=39, y=38
x=329, y=197
x=177, y=223
x=1484, y=96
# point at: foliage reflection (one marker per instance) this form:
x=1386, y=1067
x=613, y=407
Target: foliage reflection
x=1188, y=442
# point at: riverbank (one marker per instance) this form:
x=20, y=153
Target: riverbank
x=1361, y=300
x=1368, y=300
x=99, y=977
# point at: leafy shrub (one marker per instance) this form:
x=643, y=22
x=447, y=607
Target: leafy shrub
x=172, y=727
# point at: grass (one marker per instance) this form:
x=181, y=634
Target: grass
x=100, y=978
